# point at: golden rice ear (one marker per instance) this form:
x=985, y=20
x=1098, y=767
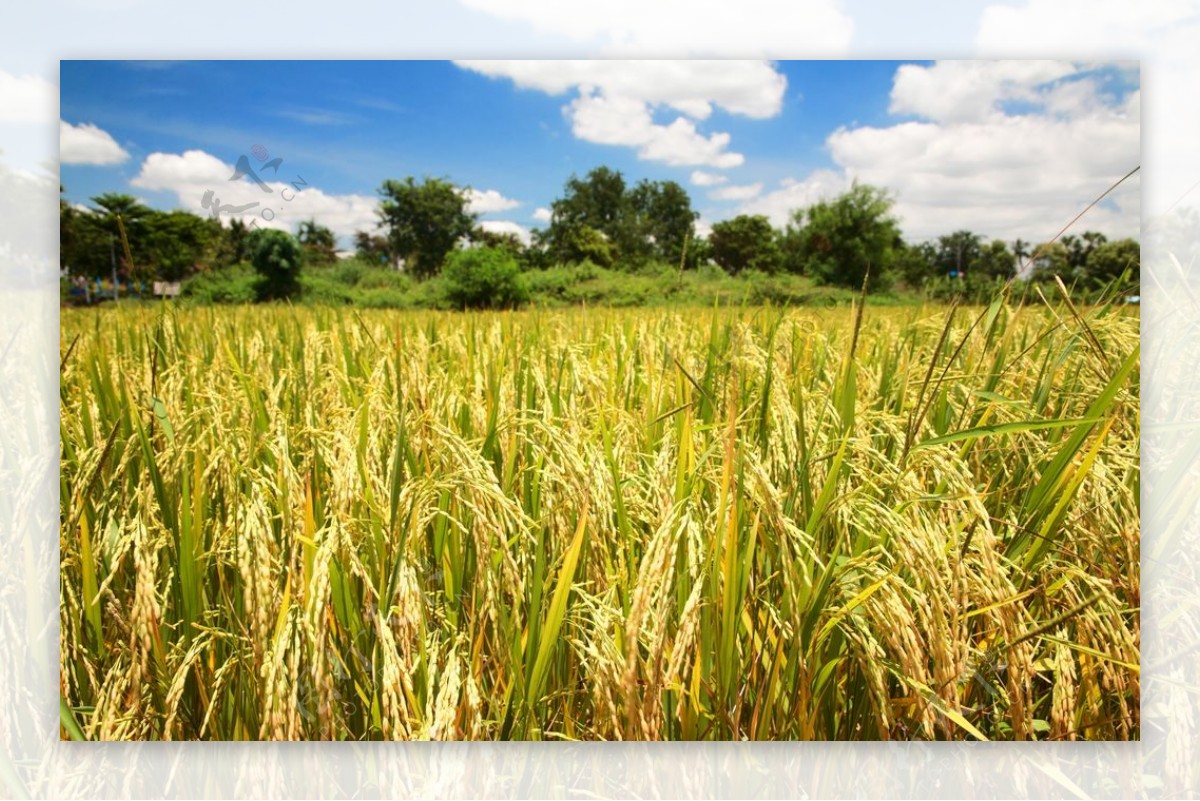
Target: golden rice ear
x=313, y=523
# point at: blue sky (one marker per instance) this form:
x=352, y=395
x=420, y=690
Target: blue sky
x=741, y=136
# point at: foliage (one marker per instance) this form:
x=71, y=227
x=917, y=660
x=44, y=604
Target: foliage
x=996, y=261
x=276, y=257
x=372, y=249
x=1048, y=260
x=424, y=222
x=581, y=243
x=650, y=221
x=1112, y=261
x=747, y=242
x=842, y=238
x=666, y=223
x=914, y=265
x=481, y=278
x=503, y=240
x=234, y=284
x=318, y=242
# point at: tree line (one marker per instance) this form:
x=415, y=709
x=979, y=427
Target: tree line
x=426, y=229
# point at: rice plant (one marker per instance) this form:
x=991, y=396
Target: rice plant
x=758, y=524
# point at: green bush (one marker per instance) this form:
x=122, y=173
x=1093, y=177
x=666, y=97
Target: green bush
x=383, y=298
x=482, y=278
x=320, y=287
x=236, y=283
x=276, y=257
x=349, y=272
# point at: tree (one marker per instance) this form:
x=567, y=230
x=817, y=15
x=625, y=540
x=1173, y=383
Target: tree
x=484, y=277
x=176, y=243
x=276, y=258
x=1108, y=261
x=747, y=242
x=234, y=246
x=372, y=248
x=916, y=264
x=119, y=211
x=841, y=239
x=665, y=219
x=793, y=258
x=995, y=261
x=424, y=222
x=504, y=240
x=319, y=243
x=1020, y=250
x=85, y=247
x=580, y=243
x=596, y=220
x=1049, y=259
x=598, y=201
x=958, y=253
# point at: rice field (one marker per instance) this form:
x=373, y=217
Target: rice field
x=316, y=523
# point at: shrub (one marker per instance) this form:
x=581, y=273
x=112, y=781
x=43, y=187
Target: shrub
x=234, y=284
x=276, y=258
x=483, y=278
x=319, y=287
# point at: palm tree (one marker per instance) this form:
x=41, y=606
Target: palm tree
x=319, y=242
x=1020, y=250
x=123, y=218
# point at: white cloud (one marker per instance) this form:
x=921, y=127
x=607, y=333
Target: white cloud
x=745, y=192
x=681, y=27
x=616, y=101
x=971, y=164
x=27, y=98
x=507, y=227
x=1081, y=27
x=752, y=89
x=87, y=144
x=486, y=201
x=701, y=178
x=621, y=121
x=543, y=215
x=972, y=161
x=779, y=204
x=191, y=174
x=1164, y=34
x=28, y=111
x=970, y=91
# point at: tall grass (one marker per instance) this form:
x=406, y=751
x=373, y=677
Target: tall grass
x=316, y=523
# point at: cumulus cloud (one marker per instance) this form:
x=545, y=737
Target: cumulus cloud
x=87, y=144
x=609, y=120
x=1006, y=149
x=486, y=201
x=744, y=192
x=507, y=227
x=778, y=204
x=26, y=98
x=616, y=101
x=970, y=91
x=1003, y=173
x=688, y=27
x=543, y=215
x=748, y=88
x=1080, y=28
x=192, y=174
x=28, y=111
x=702, y=178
